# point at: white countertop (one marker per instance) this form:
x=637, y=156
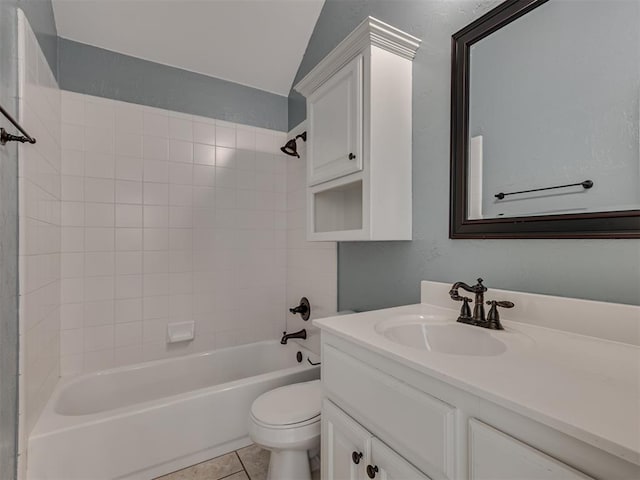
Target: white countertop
x=586, y=387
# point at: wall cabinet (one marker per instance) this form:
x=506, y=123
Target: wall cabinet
x=334, y=115
x=407, y=425
x=359, y=137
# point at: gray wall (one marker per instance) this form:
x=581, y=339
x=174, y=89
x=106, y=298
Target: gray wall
x=556, y=102
x=103, y=73
x=42, y=21
x=8, y=248
x=380, y=274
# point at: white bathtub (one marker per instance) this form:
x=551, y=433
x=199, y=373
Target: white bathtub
x=142, y=421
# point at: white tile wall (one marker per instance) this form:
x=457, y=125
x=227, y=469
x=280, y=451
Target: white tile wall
x=132, y=217
x=167, y=217
x=312, y=267
x=39, y=237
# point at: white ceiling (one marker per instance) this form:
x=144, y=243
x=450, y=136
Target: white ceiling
x=259, y=43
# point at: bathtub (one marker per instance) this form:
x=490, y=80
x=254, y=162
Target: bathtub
x=146, y=420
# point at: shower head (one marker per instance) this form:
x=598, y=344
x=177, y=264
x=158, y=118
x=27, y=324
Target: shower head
x=291, y=147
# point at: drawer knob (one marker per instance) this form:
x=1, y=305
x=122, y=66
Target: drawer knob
x=352, y=156
x=356, y=456
x=371, y=471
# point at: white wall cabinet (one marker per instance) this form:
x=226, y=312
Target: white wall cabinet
x=409, y=425
x=334, y=113
x=359, y=137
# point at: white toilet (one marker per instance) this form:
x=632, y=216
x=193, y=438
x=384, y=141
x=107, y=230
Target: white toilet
x=286, y=421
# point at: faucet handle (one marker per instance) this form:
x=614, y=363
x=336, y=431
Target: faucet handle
x=501, y=303
x=493, y=317
x=304, y=309
x=465, y=311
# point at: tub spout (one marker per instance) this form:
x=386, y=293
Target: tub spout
x=300, y=334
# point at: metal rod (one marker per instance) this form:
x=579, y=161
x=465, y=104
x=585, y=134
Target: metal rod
x=587, y=184
x=7, y=137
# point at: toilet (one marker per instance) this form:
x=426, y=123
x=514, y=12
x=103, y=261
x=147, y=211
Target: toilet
x=286, y=421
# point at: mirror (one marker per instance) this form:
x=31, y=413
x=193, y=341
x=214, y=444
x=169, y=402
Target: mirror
x=545, y=137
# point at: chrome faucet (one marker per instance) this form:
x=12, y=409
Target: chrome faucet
x=302, y=334
x=478, y=317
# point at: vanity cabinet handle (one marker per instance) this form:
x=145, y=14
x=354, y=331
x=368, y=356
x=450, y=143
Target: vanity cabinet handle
x=371, y=471
x=356, y=456
x=352, y=156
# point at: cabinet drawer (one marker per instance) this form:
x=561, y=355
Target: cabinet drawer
x=494, y=455
x=410, y=421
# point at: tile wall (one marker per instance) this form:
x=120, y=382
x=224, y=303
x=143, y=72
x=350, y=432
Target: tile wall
x=167, y=217
x=39, y=187
x=311, y=266
x=9, y=333
x=133, y=217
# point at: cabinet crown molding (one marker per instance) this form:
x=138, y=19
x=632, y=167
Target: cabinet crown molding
x=370, y=32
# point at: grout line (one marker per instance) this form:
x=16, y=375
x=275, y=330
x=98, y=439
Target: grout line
x=241, y=463
x=206, y=461
x=234, y=473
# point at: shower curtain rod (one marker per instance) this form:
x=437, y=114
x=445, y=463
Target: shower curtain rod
x=7, y=137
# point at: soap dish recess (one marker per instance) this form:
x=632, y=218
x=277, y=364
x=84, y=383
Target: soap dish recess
x=180, y=332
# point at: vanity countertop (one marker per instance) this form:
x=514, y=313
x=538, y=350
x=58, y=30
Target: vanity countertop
x=584, y=386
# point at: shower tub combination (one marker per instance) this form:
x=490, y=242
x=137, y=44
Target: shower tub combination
x=146, y=420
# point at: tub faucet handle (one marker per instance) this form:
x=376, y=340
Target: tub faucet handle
x=304, y=309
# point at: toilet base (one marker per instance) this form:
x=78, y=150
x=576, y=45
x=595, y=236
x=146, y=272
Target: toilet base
x=289, y=465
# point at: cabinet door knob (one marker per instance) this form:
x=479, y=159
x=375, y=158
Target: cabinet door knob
x=352, y=156
x=371, y=471
x=356, y=456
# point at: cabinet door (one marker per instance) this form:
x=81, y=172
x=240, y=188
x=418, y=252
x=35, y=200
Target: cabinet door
x=388, y=465
x=335, y=125
x=494, y=455
x=346, y=446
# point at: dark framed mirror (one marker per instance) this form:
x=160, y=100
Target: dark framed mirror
x=545, y=127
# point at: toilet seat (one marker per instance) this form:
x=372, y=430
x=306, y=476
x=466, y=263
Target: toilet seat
x=290, y=406
x=262, y=424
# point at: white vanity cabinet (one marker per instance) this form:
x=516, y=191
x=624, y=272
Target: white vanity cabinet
x=359, y=137
x=346, y=446
x=350, y=452
x=408, y=425
x=495, y=456
x=388, y=465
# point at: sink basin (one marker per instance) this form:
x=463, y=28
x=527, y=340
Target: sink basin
x=433, y=334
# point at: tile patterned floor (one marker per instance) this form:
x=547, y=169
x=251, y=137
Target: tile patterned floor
x=249, y=463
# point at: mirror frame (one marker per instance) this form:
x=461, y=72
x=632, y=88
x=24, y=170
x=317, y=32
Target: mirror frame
x=612, y=224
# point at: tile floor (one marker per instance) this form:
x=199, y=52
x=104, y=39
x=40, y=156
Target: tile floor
x=249, y=463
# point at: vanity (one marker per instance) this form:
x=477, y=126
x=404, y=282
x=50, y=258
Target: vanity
x=410, y=393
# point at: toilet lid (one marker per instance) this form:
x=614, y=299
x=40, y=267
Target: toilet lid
x=289, y=404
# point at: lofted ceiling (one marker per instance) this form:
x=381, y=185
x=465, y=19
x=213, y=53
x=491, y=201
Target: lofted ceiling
x=258, y=43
